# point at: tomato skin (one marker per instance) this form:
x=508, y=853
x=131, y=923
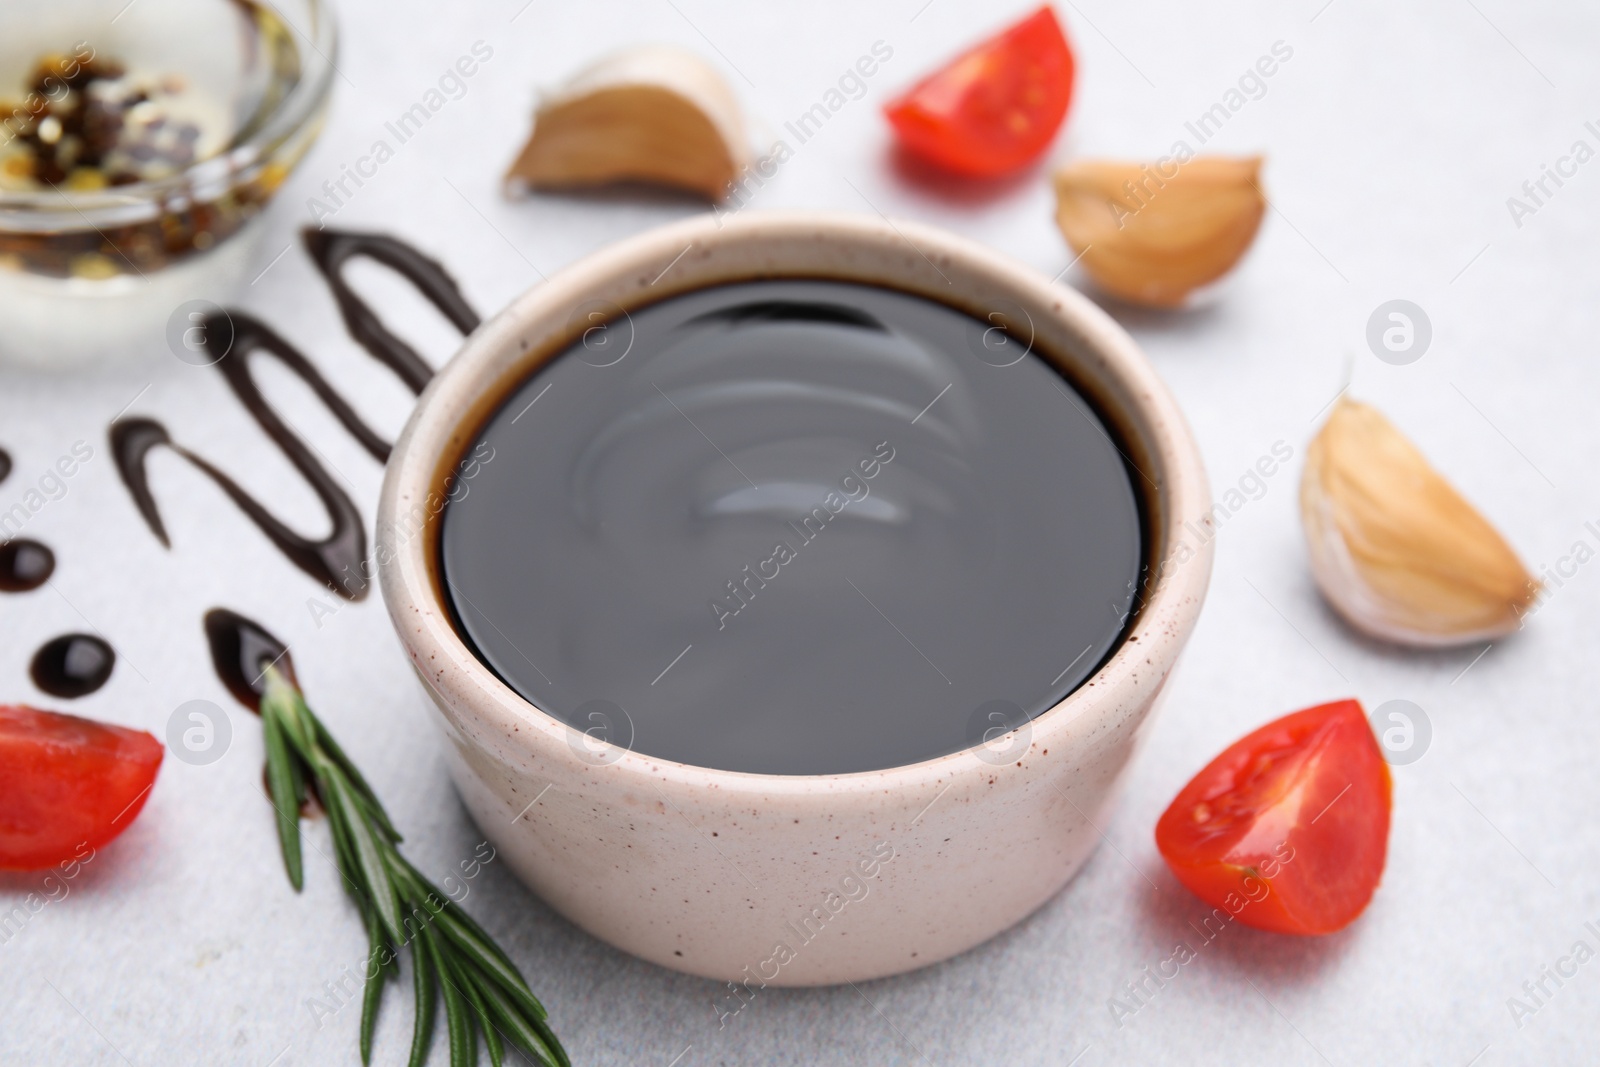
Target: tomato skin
x=66, y=782
x=1287, y=829
x=995, y=108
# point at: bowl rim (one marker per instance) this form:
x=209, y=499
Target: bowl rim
x=51, y=209
x=497, y=356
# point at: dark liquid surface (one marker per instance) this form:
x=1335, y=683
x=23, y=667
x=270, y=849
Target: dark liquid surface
x=241, y=651
x=793, y=528
x=72, y=665
x=25, y=565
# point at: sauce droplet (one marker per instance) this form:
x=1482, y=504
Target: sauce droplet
x=5, y=464
x=241, y=651
x=25, y=565
x=72, y=665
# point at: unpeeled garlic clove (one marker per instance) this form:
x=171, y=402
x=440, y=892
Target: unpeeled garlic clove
x=652, y=114
x=1395, y=549
x=1153, y=238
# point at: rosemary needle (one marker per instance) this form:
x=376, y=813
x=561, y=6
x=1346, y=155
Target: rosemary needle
x=452, y=958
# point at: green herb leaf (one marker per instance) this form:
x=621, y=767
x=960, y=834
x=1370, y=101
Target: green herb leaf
x=490, y=963
x=466, y=922
x=280, y=693
x=376, y=971
x=450, y=953
x=491, y=1037
x=461, y=925
x=463, y=1044
x=368, y=851
x=344, y=853
x=520, y=1029
x=422, y=973
x=461, y=976
x=283, y=784
x=369, y=798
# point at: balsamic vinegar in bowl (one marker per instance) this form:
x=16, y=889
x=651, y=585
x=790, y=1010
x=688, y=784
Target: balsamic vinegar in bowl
x=794, y=527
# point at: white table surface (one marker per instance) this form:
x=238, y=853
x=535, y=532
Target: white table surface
x=1395, y=135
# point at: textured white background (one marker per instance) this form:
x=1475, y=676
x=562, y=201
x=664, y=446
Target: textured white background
x=1394, y=135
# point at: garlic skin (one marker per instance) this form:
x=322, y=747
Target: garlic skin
x=651, y=113
x=1152, y=239
x=1395, y=549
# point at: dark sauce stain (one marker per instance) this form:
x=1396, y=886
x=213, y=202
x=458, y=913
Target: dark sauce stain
x=796, y=311
x=5, y=464
x=241, y=650
x=25, y=565
x=72, y=665
x=252, y=337
x=335, y=559
x=330, y=250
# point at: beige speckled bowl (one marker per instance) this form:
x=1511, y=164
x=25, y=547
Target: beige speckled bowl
x=800, y=880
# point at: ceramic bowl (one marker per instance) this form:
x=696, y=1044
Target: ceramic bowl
x=795, y=880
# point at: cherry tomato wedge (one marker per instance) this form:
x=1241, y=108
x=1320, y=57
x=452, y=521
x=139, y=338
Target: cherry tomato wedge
x=66, y=782
x=995, y=108
x=1287, y=830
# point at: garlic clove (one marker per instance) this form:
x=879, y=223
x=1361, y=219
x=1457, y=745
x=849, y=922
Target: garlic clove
x=1395, y=549
x=1152, y=239
x=652, y=114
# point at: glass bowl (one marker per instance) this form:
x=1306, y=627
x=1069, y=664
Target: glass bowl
x=139, y=143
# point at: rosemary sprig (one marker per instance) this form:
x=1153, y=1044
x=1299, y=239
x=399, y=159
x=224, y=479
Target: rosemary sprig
x=451, y=955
